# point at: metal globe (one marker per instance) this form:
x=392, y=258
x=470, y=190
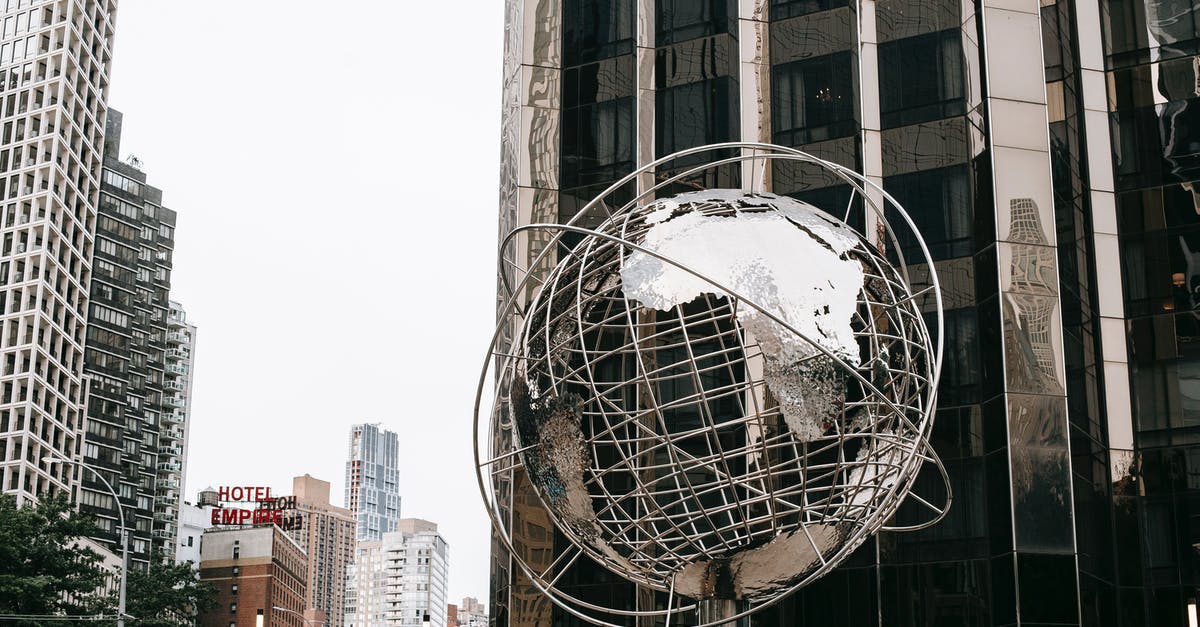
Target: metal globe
x=722, y=393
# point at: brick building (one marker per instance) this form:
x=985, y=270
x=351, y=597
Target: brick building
x=254, y=569
x=327, y=536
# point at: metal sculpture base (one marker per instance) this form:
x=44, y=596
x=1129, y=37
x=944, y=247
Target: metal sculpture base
x=711, y=611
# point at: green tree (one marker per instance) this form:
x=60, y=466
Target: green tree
x=43, y=569
x=166, y=595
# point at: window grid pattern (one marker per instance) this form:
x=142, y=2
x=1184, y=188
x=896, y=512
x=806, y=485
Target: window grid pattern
x=54, y=68
x=125, y=357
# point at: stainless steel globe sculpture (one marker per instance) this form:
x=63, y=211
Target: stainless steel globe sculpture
x=720, y=394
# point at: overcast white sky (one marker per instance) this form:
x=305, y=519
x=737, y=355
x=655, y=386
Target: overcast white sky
x=335, y=167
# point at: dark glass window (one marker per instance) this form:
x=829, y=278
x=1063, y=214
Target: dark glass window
x=1048, y=589
x=596, y=29
x=695, y=114
x=960, y=384
x=939, y=202
x=680, y=20
x=1157, y=145
x=813, y=100
x=1165, y=367
x=783, y=9
x=597, y=142
x=1124, y=26
x=1172, y=23
x=596, y=82
x=1056, y=40
x=921, y=79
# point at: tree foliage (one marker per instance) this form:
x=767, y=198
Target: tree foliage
x=43, y=569
x=166, y=595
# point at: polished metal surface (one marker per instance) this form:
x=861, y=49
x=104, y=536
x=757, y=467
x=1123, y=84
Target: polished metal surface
x=666, y=444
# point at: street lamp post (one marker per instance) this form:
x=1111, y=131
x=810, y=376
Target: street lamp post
x=306, y=620
x=124, y=531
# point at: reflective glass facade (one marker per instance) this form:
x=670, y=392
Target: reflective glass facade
x=1150, y=71
x=1046, y=152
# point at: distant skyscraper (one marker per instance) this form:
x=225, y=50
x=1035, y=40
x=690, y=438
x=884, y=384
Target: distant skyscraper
x=127, y=435
x=54, y=68
x=327, y=536
x=174, y=425
x=471, y=613
x=401, y=578
x=373, y=480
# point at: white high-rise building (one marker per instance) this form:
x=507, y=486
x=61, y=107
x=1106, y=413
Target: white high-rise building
x=175, y=425
x=400, y=579
x=365, y=582
x=54, y=70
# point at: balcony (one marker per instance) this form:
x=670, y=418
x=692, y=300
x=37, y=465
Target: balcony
x=170, y=434
x=177, y=353
x=170, y=466
x=175, y=385
x=178, y=369
x=175, y=337
x=175, y=417
x=169, y=483
x=174, y=401
x=177, y=451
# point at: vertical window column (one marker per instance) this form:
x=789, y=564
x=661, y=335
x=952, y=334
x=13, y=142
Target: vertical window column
x=531, y=135
x=1035, y=402
x=696, y=75
x=812, y=52
x=871, y=150
x=1110, y=291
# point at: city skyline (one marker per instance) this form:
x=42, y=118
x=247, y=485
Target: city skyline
x=332, y=230
x=252, y=247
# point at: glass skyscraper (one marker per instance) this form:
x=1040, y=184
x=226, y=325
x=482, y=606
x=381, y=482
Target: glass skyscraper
x=373, y=480
x=1047, y=153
